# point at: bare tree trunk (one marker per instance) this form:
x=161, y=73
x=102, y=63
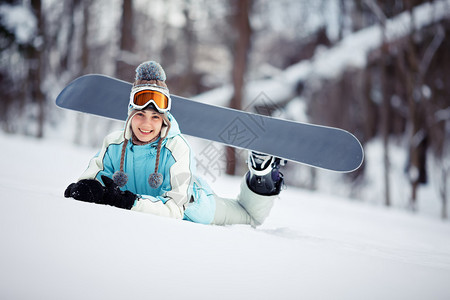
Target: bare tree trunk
x=85, y=54
x=342, y=16
x=188, y=82
x=415, y=128
x=241, y=49
x=35, y=71
x=368, y=107
x=419, y=143
x=125, y=69
x=70, y=13
x=386, y=103
x=84, y=39
x=443, y=192
x=385, y=120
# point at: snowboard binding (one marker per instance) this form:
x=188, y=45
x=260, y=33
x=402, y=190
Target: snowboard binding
x=264, y=177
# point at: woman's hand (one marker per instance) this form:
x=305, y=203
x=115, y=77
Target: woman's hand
x=91, y=190
x=116, y=197
x=87, y=190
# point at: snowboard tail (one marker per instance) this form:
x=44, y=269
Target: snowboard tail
x=317, y=146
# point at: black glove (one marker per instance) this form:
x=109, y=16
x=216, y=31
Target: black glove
x=87, y=190
x=116, y=197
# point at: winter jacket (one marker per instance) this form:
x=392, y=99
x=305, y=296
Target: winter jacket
x=181, y=195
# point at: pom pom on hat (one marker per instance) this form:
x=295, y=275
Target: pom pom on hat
x=120, y=178
x=150, y=70
x=155, y=180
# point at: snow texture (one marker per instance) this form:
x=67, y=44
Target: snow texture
x=20, y=21
x=313, y=245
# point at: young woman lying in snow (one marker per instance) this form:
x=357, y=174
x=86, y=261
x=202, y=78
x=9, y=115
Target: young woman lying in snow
x=150, y=167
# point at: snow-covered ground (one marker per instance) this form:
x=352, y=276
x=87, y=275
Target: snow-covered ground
x=313, y=245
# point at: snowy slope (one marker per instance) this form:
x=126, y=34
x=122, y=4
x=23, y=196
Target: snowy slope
x=313, y=246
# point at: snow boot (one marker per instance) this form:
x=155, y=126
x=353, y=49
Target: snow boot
x=264, y=177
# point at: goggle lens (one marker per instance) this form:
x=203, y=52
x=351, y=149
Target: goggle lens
x=142, y=98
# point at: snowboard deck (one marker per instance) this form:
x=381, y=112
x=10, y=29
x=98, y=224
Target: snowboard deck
x=313, y=145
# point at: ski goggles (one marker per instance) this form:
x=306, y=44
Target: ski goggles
x=141, y=97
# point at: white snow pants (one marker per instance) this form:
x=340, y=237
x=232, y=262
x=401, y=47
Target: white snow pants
x=248, y=208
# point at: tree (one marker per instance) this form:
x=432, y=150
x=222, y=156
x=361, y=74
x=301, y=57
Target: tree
x=124, y=68
x=385, y=62
x=241, y=11
x=36, y=69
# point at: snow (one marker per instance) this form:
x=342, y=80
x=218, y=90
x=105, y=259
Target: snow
x=313, y=245
x=20, y=21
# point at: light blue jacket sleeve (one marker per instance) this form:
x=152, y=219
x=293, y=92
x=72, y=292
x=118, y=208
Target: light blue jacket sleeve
x=102, y=164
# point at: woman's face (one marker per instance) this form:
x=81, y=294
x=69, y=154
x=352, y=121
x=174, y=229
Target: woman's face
x=146, y=125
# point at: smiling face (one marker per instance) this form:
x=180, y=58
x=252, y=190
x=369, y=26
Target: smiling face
x=146, y=126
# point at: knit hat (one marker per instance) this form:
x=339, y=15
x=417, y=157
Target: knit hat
x=148, y=74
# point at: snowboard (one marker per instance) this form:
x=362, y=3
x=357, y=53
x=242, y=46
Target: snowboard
x=313, y=145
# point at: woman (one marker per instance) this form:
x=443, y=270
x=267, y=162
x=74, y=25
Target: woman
x=150, y=167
